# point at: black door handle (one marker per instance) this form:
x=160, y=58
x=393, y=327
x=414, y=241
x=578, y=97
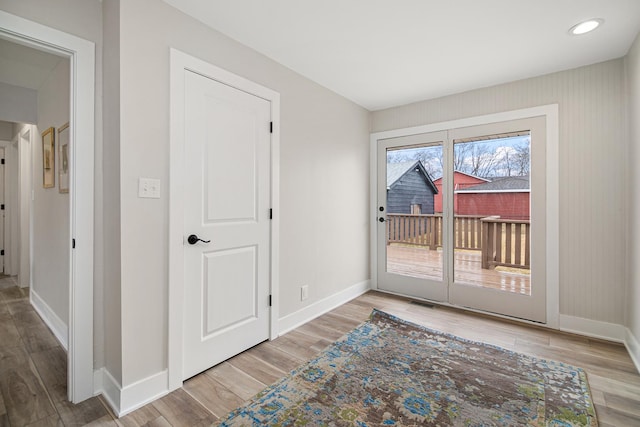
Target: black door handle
x=193, y=239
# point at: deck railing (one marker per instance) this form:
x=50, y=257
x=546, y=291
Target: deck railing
x=411, y=229
x=506, y=242
x=472, y=232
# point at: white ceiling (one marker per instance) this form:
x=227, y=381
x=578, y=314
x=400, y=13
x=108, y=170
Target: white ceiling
x=383, y=53
x=24, y=66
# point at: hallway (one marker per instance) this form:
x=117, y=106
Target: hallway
x=33, y=368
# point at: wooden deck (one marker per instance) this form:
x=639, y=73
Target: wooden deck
x=423, y=263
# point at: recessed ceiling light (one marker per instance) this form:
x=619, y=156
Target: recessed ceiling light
x=586, y=26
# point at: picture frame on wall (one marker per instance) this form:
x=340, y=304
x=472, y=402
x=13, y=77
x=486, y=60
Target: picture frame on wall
x=63, y=158
x=48, y=158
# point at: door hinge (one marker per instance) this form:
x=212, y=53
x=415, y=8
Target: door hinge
x=2, y=252
x=2, y=207
x=270, y=299
x=2, y=161
x=73, y=243
x=270, y=130
x=270, y=213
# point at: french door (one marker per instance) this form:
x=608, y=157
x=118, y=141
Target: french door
x=461, y=217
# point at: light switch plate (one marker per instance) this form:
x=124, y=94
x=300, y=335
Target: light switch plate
x=149, y=188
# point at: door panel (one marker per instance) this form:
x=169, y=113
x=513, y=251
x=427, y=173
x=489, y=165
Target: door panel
x=512, y=278
x=227, y=176
x=240, y=303
x=410, y=257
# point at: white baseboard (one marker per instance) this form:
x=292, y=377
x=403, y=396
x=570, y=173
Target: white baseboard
x=633, y=347
x=98, y=381
x=57, y=325
x=134, y=396
x=592, y=328
x=105, y=384
x=304, y=315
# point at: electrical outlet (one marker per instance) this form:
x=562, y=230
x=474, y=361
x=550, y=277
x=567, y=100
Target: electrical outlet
x=304, y=292
x=149, y=188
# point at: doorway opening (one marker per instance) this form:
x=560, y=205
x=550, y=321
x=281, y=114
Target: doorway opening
x=80, y=55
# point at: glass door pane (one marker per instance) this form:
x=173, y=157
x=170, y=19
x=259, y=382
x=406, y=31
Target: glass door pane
x=414, y=212
x=491, y=200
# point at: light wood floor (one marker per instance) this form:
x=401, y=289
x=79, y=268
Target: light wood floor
x=33, y=367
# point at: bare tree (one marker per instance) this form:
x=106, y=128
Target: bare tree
x=523, y=159
x=480, y=158
x=475, y=158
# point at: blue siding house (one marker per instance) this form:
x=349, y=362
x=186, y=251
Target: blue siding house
x=410, y=189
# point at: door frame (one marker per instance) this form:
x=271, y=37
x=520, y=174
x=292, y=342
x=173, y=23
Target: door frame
x=179, y=63
x=81, y=54
x=550, y=112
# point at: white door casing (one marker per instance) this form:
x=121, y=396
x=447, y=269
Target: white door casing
x=3, y=217
x=24, y=204
x=232, y=248
x=227, y=202
x=81, y=54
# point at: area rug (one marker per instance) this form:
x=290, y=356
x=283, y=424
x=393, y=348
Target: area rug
x=390, y=372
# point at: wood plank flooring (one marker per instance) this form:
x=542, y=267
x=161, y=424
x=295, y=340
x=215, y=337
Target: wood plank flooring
x=33, y=368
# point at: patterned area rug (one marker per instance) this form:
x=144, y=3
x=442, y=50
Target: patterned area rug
x=389, y=372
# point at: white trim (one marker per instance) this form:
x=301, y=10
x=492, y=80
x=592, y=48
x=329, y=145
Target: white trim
x=51, y=319
x=524, y=113
x=275, y=221
x=81, y=54
x=550, y=112
x=110, y=388
x=10, y=200
x=490, y=191
x=125, y=400
x=592, y=328
x=179, y=62
x=633, y=347
x=310, y=312
x=25, y=188
x=373, y=208
x=141, y=392
x=98, y=381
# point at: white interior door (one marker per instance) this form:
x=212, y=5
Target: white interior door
x=227, y=196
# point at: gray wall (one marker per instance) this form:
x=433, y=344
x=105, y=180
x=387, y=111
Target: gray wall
x=6, y=131
x=324, y=172
x=18, y=104
x=50, y=208
x=110, y=168
x=593, y=173
x=633, y=293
